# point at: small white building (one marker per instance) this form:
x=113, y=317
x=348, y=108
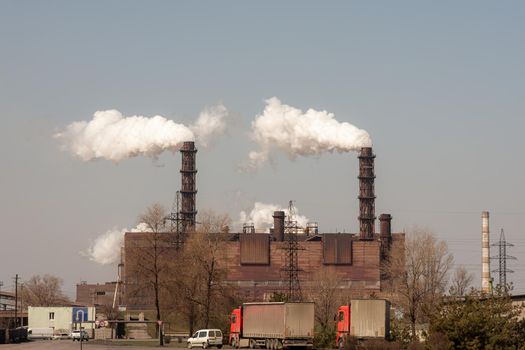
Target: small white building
x=61, y=317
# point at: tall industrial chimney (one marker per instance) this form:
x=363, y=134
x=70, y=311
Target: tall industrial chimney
x=366, y=194
x=188, y=190
x=485, y=253
x=278, y=226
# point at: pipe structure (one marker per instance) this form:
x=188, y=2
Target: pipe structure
x=188, y=190
x=366, y=194
x=485, y=253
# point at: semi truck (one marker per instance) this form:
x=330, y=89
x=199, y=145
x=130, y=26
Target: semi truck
x=272, y=325
x=363, y=319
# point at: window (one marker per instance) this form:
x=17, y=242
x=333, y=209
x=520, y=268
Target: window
x=196, y=335
x=211, y=333
x=341, y=316
x=218, y=333
x=51, y=315
x=202, y=334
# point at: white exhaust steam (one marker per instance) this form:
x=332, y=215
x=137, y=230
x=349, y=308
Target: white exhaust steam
x=113, y=136
x=299, y=133
x=105, y=249
x=262, y=216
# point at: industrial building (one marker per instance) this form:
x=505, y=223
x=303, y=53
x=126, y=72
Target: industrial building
x=61, y=318
x=7, y=310
x=286, y=258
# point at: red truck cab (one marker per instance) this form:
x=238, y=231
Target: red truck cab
x=235, y=327
x=343, y=325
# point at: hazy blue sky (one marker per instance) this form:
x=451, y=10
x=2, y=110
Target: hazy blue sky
x=440, y=87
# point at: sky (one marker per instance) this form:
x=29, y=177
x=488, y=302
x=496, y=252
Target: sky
x=439, y=86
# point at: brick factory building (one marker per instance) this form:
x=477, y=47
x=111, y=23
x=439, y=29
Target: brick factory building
x=258, y=264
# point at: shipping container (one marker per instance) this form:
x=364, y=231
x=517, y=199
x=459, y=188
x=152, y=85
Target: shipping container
x=363, y=318
x=273, y=325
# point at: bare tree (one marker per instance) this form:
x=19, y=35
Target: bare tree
x=149, y=259
x=206, y=250
x=43, y=291
x=324, y=292
x=461, y=282
x=418, y=273
x=203, y=296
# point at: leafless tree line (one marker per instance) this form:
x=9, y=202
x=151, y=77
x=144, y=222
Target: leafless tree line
x=183, y=282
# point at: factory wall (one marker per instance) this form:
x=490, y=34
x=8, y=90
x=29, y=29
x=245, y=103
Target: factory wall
x=97, y=294
x=254, y=265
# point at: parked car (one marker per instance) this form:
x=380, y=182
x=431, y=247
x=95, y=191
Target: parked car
x=205, y=338
x=61, y=334
x=76, y=334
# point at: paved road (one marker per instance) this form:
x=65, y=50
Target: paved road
x=71, y=345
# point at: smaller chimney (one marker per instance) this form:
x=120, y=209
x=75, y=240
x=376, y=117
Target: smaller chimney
x=278, y=226
x=385, y=225
x=385, y=233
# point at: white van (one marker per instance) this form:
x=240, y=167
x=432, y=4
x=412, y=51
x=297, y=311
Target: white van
x=205, y=338
x=40, y=333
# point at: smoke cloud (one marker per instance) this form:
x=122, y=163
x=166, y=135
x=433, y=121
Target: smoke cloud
x=105, y=249
x=299, y=133
x=262, y=216
x=113, y=136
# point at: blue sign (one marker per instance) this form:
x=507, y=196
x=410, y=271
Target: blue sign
x=80, y=314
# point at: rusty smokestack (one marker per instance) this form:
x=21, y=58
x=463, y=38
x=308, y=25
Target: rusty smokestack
x=385, y=230
x=485, y=253
x=188, y=190
x=278, y=226
x=366, y=194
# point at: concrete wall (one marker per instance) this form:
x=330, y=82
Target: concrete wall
x=38, y=317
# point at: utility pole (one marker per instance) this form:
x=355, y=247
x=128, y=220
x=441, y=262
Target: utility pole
x=1, y=285
x=16, y=301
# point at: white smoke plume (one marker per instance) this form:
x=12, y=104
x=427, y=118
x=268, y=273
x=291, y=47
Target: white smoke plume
x=105, y=249
x=211, y=122
x=299, y=133
x=262, y=216
x=113, y=136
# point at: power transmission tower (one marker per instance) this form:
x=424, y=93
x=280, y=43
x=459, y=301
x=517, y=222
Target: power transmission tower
x=177, y=222
x=502, y=259
x=291, y=265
